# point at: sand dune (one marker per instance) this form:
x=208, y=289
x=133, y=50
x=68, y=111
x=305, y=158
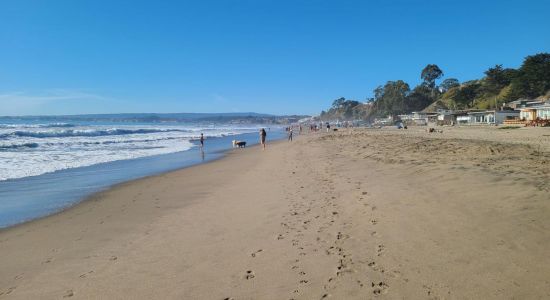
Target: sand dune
x=353, y=214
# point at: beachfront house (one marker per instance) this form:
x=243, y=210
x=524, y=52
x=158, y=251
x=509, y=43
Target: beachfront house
x=383, y=121
x=446, y=117
x=405, y=118
x=528, y=114
x=524, y=103
x=463, y=119
x=451, y=117
x=543, y=111
x=420, y=118
x=415, y=118
x=500, y=116
x=489, y=117
x=477, y=118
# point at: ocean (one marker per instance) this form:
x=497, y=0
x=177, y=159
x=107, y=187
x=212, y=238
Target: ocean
x=47, y=166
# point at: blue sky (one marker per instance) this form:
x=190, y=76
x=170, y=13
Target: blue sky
x=280, y=57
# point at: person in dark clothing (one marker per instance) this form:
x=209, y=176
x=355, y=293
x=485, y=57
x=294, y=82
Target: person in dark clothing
x=290, y=134
x=262, y=137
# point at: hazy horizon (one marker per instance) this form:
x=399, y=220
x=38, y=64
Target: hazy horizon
x=237, y=114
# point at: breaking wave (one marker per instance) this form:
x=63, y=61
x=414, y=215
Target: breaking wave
x=18, y=146
x=89, y=133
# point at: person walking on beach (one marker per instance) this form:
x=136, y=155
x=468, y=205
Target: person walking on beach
x=290, y=134
x=262, y=137
x=202, y=141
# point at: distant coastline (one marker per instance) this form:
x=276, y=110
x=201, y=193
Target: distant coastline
x=233, y=118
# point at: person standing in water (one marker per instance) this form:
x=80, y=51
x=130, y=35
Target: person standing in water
x=262, y=137
x=202, y=141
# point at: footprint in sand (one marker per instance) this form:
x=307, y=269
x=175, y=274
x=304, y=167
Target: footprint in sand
x=48, y=260
x=249, y=275
x=85, y=274
x=8, y=291
x=256, y=253
x=379, y=288
x=68, y=294
x=341, y=236
x=380, y=250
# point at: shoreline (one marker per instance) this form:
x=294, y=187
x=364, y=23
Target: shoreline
x=99, y=194
x=76, y=184
x=91, y=204
x=350, y=214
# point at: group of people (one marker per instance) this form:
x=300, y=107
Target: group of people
x=263, y=135
x=289, y=130
x=315, y=127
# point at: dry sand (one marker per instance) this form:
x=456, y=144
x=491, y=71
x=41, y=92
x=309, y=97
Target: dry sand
x=354, y=214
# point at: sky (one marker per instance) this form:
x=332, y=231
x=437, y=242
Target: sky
x=277, y=57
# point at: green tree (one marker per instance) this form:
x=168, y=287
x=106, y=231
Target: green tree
x=393, y=98
x=348, y=108
x=467, y=93
x=430, y=74
x=533, y=77
x=419, y=98
x=336, y=104
x=449, y=83
x=496, y=78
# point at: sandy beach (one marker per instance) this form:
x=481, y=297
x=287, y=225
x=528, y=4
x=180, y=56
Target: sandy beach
x=352, y=214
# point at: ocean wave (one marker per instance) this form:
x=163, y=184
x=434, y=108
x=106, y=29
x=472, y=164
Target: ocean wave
x=89, y=133
x=18, y=146
x=52, y=125
x=55, y=125
x=20, y=164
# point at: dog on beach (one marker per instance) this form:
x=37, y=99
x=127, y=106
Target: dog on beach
x=239, y=144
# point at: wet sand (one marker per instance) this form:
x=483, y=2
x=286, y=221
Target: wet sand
x=353, y=214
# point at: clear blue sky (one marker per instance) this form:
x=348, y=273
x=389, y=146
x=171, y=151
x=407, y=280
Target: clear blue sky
x=280, y=57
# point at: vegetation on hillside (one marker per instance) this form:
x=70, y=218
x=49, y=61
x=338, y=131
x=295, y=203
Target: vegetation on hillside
x=499, y=85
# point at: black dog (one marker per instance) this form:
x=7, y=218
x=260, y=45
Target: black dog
x=240, y=144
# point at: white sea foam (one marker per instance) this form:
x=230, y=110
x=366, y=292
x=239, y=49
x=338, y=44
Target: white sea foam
x=35, y=149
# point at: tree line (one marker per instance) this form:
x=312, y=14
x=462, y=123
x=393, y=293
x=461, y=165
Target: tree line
x=499, y=85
